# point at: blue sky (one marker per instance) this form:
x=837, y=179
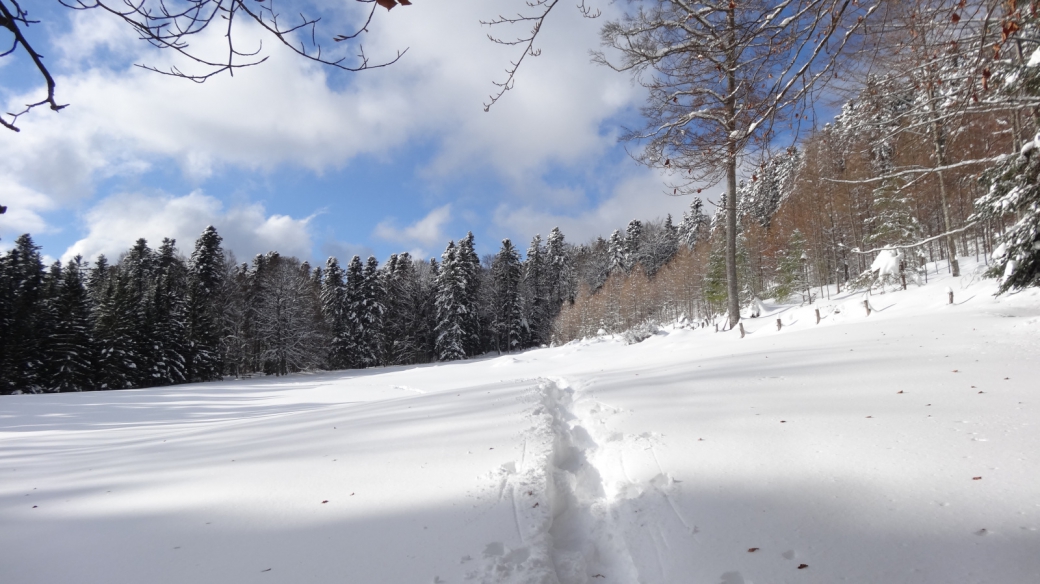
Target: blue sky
x=314, y=162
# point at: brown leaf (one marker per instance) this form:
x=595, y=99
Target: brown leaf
x=783, y=421
x=533, y=506
x=955, y=18
x=752, y=550
x=325, y=501
x=976, y=478
x=803, y=566
x=388, y=4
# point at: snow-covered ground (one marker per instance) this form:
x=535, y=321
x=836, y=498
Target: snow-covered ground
x=899, y=447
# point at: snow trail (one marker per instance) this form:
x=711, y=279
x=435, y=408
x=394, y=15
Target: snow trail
x=579, y=512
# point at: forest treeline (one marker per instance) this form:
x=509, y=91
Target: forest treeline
x=155, y=317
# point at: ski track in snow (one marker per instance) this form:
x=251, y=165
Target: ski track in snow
x=576, y=506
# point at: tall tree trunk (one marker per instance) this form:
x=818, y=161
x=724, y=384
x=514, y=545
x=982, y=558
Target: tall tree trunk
x=732, y=288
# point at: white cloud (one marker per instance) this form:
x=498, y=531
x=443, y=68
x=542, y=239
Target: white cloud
x=118, y=221
x=284, y=112
x=24, y=208
x=638, y=196
x=428, y=231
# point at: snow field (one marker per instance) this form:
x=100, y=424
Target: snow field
x=850, y=447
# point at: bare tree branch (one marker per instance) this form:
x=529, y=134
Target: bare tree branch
x=14, y=22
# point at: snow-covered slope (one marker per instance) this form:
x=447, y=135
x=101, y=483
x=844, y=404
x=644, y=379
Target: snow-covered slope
x=899, y=447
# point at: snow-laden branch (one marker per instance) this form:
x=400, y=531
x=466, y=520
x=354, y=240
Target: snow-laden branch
x=917, y=244
x=918, y=171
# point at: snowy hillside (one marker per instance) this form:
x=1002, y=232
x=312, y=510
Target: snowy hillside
x=896, y=447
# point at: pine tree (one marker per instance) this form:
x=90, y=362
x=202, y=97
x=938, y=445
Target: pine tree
x=21, y=362
x=790, y=271
x=371, y=338
x=205, y=277
x=47, y=321
x=333, y=310
x=537, y=286
x=509, y=324
x=695, y=226
x=469, y=266
x=633, y=245
x=354, y=300
x=715, y=293
x=74, y=351
x=167, y=317
x=114, y=329
x=1014, y=190
x=616, y=253
x=452, y=309
x=558, y=272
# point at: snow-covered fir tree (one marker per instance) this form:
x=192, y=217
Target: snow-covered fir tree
x=509, y=325
x=206, y=272
x=452, y=308
x=354, y=299
x=695, y=226
x=21, y=274
x=73, y=349
x=371, y=318
x=537, y=286
x=333, y=311
x=470, y=270
x=616, y=253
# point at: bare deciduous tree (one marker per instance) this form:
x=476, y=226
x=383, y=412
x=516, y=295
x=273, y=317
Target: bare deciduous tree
x=721, y=74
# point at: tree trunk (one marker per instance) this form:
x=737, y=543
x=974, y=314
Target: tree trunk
x=732, y=289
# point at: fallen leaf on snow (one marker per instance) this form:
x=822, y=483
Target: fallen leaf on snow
x=752, y=550
x=803, y=566
x=976, y=478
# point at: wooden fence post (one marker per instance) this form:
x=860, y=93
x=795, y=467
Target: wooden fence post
x=741, y=325
x=817, y=316
x=779, y=324
x=866, y=304
x=949, y=291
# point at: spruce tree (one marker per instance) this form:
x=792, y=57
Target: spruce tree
x=633, y=246
x=790, y=270
x=452, y=308
x=354, y=297
x=372, y=314
x=695, y=226
x=333, y=310
x=21, y=362
x=470, y=270
x=204, y=361
x=509, y=324
x=167, y=318
x=558, y=272
x=616, y=253
x=74, y=351
x=537, y=287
